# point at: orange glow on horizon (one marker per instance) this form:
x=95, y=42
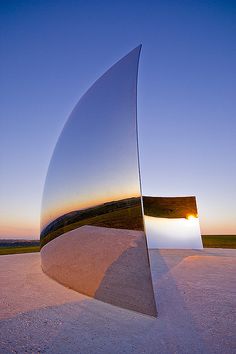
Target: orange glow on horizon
x=19, y=224
x=56, y=212
x=19, y=231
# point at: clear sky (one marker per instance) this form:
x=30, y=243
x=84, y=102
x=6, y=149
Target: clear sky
x=52, y=51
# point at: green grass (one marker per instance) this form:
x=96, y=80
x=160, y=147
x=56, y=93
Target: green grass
x=19, y=249
x=209, y=241
x=219, y=241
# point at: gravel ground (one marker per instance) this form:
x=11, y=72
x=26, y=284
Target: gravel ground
x=195, y=294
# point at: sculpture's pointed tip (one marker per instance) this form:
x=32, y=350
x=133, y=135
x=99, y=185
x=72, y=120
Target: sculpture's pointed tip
x=135, y=51
x=138, y=48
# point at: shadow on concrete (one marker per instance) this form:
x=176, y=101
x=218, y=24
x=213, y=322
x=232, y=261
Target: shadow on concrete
x=127, y=282
x=172, y=309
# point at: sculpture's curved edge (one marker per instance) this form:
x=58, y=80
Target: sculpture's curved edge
x=140, y=184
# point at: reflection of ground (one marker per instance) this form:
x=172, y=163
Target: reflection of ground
x=195, y=294
x=121, y=214
x=105, y=263
x=169, y=207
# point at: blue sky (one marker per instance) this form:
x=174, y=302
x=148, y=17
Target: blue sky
x=52, y=51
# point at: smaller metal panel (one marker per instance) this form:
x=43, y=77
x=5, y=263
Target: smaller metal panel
x=172, y=222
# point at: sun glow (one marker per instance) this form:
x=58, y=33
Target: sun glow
x=191, y=217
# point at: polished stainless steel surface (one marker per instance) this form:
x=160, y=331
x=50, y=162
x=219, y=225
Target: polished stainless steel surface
x=92, y=229
x=93, y=177
x=172, y=222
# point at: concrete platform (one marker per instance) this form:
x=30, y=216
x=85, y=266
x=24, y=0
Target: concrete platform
x=195, y=294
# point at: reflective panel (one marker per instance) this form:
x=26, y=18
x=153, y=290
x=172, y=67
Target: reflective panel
x=172, y=222
x=92, y=233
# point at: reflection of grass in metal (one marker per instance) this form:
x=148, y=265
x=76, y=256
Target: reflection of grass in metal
x=170, y=207
x=15, y=250
x=124, y=218
x=219, y=241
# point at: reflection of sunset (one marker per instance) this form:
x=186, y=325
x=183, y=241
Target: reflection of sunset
x=63, y=207
x=191, y=217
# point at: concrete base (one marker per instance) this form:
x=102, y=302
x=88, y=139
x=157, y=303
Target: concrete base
x=108, y=264
x=195, y=293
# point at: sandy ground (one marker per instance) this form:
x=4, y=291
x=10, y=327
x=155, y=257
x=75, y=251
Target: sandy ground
x=195, y=294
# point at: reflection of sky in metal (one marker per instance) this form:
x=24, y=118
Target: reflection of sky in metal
x=95, y=159
x=172, y=233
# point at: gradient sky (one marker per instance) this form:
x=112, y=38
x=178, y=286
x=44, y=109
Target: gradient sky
x=52, y=51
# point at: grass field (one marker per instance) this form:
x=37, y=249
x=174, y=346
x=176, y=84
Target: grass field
x=18, y=249
x=209, y=241
x=219, y=241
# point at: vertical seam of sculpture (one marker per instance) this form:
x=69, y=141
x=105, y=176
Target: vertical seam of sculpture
x=138, y=157
x=92, y=224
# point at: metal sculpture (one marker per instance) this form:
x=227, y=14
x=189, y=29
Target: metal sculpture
x=92, y=230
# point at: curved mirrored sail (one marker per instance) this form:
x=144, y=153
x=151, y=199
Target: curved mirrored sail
x=92, y=233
